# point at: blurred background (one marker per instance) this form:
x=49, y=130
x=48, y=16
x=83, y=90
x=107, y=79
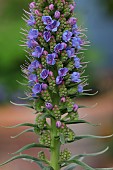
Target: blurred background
x=97, y=16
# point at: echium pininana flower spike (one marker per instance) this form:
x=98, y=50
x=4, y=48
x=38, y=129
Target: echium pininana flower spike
x=54, y=43
x=55, y=77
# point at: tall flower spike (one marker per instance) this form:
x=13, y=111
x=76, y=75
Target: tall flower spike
x=54, y=78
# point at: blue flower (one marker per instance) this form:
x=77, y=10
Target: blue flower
x=31, y=21
x=51, y=59
x=59, y=47
x=77, y=42
x=33, y=77
x=31, y=43
x=59, y=80
x=80, y=88
x=47, y=20
x=33, y=34
x=70, y=52
x=37, y=88
x=34, y=65
x=38, y=52
x=49, y=106
x=67, y=36
x=47, y=36
x=75, y=77
x=53, y=26
x=62, y=71
x=77, y=62
x=44, y=74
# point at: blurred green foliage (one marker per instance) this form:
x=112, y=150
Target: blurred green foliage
x=12, y=56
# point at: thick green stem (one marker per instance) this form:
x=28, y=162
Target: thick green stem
x=55, y=146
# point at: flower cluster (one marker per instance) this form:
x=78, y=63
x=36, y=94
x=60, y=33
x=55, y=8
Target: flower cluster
x=54, y=43
x=54, y=74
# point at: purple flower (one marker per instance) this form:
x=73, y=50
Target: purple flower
x=75, y=77
x=44, y=86
x=80, y=88
x=75, y=107
x=53, y=26
x=44, y=74
x=31, y=43
x=70, y=52
x=57, y=14
x=58, y=124
x=33, y=77
x=31, y=21
x=47, y=36
x=59, y=80
x=51, y=59
x=77, y=42
x=33, y=34
x=34, y=65
x=49, y=105
x=38, y=52
x=77, y=62
x=62, y=71
x=72, y=21
x=47, y=20
x=59, y=47
x=67, y=36
x=32, y=5
x=37, y=88
x=51, y=7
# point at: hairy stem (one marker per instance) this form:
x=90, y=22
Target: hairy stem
x=55, y=146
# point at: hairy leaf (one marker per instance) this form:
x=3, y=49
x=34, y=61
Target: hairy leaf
x=90, y=154
x=21, y=133
x=29, y=146
x=26, y=105
x=24, y=156
x=91, y=137
x=79, y=121
x=19, y=125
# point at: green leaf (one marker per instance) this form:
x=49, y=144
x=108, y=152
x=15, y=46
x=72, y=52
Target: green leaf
x=79, y=121
x=89, y=94
x=24, y=156
x=29, y=146
x=90, y=154
x=87, y=106
x=21, y=133
x=26, y=105
x=62, y=139
x=19, y=125
x=71, y=167
x=82, y=164
x=91, y=137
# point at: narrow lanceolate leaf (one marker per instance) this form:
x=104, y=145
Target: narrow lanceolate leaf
x=91, y=137
x=24, y=156
x=90, y=154
x=82, y=164
x=19, y=125
x=29, y=146
x=80, y=106
x=25, y=105
x=21, y=133
x=71, y=167
x=79, y=121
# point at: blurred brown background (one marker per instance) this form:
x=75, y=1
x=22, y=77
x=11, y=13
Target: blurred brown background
x=97, y=16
